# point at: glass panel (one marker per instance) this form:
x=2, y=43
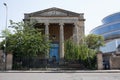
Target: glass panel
x=107, y=29
x=111, y=18
x=109, y=47
x=111, y=35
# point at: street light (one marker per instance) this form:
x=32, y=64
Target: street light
x=6, y=14
x=5, y=35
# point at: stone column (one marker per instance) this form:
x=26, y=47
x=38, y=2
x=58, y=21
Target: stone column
x=76, y=38
x=100, y=61
x=47, y=36
x=61, y=43
x=47, y=30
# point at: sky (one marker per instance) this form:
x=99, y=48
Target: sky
x=94, y=10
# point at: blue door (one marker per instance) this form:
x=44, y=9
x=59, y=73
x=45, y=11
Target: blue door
x=54, y=53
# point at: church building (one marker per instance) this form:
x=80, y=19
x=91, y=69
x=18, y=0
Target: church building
x=59, y=25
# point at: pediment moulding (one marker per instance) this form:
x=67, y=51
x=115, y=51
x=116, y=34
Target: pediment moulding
x=55, y=12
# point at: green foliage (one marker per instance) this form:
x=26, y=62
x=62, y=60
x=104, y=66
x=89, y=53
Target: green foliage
x=85, y=51
x=5, y=33
x=76, y=52
x=69, y=50
x=94, y=41
x=26, y=40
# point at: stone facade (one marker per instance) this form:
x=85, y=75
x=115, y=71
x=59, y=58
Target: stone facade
x=59, y=24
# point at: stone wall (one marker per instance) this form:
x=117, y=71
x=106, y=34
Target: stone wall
x=2, y=65
x=115, y=62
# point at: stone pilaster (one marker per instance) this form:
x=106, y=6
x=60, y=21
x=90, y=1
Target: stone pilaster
x=61, y=41
x=81, y=32
x=75, y=33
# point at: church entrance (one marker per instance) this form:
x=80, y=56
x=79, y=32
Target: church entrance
x=54, y=53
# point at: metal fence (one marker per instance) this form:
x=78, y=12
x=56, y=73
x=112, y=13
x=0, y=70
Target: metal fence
x=28, y=62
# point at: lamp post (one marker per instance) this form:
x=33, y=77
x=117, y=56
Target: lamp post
x=6, y=14
x=5, y=34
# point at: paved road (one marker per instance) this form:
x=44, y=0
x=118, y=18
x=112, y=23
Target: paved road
x=59, y=76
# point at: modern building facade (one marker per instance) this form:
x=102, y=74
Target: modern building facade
x=110, y=30
x=59, y=25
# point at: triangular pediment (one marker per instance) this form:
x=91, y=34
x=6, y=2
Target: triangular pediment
x=53, y=12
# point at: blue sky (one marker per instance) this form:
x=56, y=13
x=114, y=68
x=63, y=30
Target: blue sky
x=94, y=10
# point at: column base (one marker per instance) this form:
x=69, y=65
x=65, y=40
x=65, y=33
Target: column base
x=61, y=62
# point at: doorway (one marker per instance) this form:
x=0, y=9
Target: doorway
x=54, y=53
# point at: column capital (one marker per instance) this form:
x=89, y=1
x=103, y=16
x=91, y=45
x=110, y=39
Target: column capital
x=46, y=23
x=61, y=24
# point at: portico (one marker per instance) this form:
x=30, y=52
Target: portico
x=59, y=25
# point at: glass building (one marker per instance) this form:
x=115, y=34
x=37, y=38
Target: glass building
x=110, y=30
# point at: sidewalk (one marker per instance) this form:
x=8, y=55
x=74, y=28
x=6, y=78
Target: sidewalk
x=60, y=71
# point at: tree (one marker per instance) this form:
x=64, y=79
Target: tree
x=76, y=52
x=70, y=50
x=26, y=40
x=85, y=51
x=94, y=41
x=26, y=43
x=5, y=33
